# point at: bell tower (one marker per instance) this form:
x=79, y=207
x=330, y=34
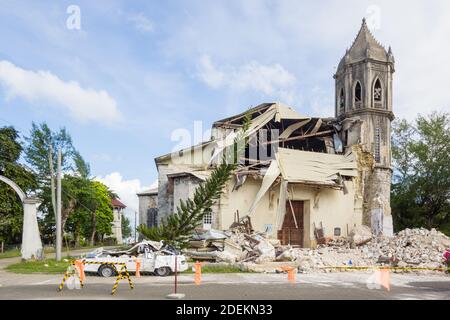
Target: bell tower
x=363, y=84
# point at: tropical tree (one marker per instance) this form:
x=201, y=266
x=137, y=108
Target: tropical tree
x=178, y=227
x=421, y=185
x=41, y=154
x=42, y=147
x=11, y=210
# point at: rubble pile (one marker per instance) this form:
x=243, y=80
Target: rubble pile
x=237, y=246
x=408, y=248
x=411, y=247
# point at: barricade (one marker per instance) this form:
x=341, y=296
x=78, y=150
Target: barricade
x=77, y=269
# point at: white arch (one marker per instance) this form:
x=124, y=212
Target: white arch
x=16, y=188
x=31, y=240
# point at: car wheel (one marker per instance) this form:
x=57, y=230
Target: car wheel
x=106, y=271
x=163, y=271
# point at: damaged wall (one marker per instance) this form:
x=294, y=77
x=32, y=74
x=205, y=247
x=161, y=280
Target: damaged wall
x=183, y=189
x=186, y=160
x=165, y=198
x=148, y=207
x=330, y=206
x=374, y=188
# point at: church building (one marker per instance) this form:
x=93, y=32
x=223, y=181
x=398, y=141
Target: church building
x=303, y=179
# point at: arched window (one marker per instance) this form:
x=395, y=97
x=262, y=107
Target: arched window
x=341, y=100
x=358, y=94
x=377, y=91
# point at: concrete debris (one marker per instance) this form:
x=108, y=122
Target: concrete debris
x=267, y=267
x=226, y=256
x=360, y=235
x=286, y=255
x=238, y=247
x=265, y=250
x=408, y=248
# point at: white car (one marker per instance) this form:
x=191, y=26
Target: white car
x=154, y=257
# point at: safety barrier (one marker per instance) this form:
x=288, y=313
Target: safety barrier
x=385, y=268
x=76, y=268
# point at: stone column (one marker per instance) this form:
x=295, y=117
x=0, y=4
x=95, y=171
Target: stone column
x=377, y=209
x=31, y=241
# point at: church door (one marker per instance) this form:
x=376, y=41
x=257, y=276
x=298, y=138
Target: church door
x=292, y=233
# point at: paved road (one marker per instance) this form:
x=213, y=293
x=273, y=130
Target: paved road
x=342, y=285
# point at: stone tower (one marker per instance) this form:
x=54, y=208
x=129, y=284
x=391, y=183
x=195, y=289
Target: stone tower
x=364, y=104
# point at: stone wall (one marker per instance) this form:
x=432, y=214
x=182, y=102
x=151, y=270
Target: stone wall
x=146, y=202
x=377, y=198
x=164, y=197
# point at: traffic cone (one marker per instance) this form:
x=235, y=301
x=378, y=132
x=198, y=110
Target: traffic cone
x=198, y=273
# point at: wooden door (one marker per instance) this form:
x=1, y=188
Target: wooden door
x=289, y=233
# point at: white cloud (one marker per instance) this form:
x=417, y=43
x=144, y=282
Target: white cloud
x=82, y=104
x=209, y=74
x=272, y=80
x=320, y=102
x=125, y=189
x=309, y=39
x=141, y=22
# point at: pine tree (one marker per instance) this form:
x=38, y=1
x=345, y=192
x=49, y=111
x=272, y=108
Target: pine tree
x=178, y=227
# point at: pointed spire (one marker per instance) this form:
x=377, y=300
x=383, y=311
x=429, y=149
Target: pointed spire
x=390, y=55
x=365, y=46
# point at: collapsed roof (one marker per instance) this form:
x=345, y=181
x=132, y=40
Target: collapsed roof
x=310, y=167
x=290, y=149
x=306, y=150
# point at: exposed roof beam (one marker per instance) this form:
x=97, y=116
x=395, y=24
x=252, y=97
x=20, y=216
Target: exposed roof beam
x=322, y=133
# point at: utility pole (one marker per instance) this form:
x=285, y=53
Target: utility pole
x=135, y=227
x=58, y=209
x=52, y=179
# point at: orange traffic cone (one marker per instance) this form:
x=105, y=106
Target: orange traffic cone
x=198, y=273
x=80, y=268
x=383, y=277
x=290, y=272
x=138, y=268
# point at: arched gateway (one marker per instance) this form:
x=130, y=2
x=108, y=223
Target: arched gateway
x=31, y=241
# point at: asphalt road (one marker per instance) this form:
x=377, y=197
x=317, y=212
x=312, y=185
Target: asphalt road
x=341, y=285
x=355, y=285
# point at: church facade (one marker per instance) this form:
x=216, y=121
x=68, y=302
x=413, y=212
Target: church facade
x=302, y=179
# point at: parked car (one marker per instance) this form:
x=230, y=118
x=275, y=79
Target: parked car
x=154, y=257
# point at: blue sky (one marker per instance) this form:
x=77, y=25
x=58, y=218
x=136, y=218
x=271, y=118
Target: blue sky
x=138, y=70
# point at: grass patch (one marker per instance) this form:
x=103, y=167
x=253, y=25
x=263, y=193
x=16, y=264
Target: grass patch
x=14, y=253
x=210, y=268
x=43, y=266
x=10, y=254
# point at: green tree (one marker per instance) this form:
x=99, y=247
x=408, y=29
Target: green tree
x=37, y=151
x=421, y=185
x=75, y=181
x=101, y=210
x=178, y=227
x=11, y=209
x=41, y=140
x=126, y=227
